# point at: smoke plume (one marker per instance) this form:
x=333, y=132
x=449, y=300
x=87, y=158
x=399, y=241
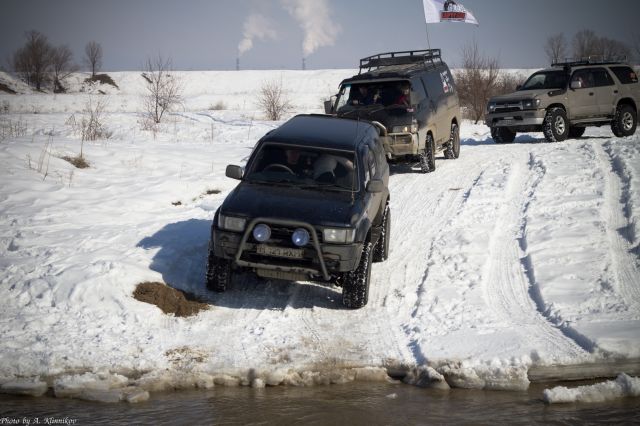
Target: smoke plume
x=256, y=26
x=314, y=17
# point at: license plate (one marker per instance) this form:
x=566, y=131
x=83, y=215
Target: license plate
x=289, y=253
x=281, y=275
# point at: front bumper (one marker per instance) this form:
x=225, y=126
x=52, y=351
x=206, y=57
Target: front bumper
x=400, y=144
x=319, y=260
x=521, y=118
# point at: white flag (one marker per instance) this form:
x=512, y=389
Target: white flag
x=447, y=11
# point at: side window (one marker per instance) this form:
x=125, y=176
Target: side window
x=601, y=77
x=584, y=78
x=447, y=82
x=433, y=83
x=417, y=91
x=345, y=94
x=625, y=74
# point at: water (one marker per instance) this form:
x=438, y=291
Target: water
x=349, y=404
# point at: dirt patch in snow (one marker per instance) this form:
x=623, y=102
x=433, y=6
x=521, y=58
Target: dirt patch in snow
x=169, y=300
x=7, y=89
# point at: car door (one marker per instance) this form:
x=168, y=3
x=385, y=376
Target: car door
x=606, y=91
x=373, y=170
x=583, y=102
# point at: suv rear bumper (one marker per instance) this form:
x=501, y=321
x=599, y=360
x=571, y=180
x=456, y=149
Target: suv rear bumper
x=515, y=118
x=319, y=260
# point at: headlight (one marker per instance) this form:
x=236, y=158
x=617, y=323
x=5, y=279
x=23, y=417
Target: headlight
x=338, y=235
x=491, y=106
x=409, y=128
x=300, y=237
x=262, y=232
x=530, y=103
x=231, y=223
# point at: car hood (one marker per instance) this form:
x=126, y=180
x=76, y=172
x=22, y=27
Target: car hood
x=316, y=207
x=521, y=94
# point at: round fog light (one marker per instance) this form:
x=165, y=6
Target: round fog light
x=300, y=237
x=262, y=232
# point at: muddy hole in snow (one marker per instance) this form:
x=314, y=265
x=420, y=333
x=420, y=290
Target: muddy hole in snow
x=168, y=299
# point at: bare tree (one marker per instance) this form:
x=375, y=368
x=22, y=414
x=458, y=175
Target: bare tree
x=62, y=66
x=613, y=49
x=635, y=44
x=164, y=91
x=93, y=57
x=273, y=100
x=556, y=48
x=32, y=61
x=586, y=44
x=476, y=80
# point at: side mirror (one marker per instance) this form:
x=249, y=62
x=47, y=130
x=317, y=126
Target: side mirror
x=519, y=86
x=575, y=84
x=234, y=172
x=375, y=185
x=328, y=105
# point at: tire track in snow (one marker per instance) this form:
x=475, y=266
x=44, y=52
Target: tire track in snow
x=508, y=281
x=617, y=216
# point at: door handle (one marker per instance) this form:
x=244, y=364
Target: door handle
x=590, y=93
x=615, y=91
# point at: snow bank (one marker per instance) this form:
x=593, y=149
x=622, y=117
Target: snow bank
x=508, y=258
x=622, y=386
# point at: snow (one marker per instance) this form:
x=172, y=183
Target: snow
x=510, y=258
x=622, y=386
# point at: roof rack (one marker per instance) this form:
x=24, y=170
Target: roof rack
x=429, y=56
x=590, y=60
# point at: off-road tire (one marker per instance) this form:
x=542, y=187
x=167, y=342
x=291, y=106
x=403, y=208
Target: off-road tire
x=624, y=121
x=576, y=132
x=502, y=135
x=355, y=284
x=428, y=156
x=452, y=150
x=218, y=272
x=555, y=125
x=381, y=251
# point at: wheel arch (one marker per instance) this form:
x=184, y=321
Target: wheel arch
x=628, y=101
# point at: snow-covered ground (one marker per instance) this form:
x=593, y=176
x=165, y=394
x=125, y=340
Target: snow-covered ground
x=509, y=259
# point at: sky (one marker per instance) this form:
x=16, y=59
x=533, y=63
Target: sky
x=277, y=34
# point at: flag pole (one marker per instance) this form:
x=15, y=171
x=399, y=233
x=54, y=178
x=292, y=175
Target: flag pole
x=426, y=27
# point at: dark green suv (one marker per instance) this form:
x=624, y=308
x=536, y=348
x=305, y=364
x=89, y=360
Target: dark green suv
x=312, y=205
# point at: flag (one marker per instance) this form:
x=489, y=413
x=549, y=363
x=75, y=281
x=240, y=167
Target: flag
x=447, y=11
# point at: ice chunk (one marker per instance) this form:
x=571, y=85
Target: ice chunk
x=426, y=377
x=622, y=386
x=32, y=387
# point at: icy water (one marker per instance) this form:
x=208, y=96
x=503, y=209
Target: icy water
x=349, y=404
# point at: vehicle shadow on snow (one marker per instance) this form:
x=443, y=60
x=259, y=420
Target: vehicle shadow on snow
x=182, y=257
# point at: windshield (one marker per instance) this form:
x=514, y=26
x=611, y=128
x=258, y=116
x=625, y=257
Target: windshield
x=546, y=80
x=382, y=94
x=304, y=167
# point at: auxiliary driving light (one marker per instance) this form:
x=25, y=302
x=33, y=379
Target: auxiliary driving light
x=262, y=232
x=300, y=237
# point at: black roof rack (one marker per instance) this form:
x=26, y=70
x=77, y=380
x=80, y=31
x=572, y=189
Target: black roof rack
x=429, y=56
x=591, y=60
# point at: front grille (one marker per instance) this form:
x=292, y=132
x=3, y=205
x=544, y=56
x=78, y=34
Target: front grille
x=507, y=109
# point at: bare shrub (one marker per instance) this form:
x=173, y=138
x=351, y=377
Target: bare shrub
x=164, y=91
x=218, y=106
x=91, y=124
x=476, y=80
x=556, y=48
x=273, y=100
x=93, y=57
x=12, y=128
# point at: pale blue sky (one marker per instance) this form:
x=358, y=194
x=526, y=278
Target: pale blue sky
x=204, y=34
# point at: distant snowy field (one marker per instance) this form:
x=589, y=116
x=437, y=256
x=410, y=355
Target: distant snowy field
x=507, y=264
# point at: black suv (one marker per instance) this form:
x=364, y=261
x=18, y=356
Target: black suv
x=312, y=204
x=411, y=95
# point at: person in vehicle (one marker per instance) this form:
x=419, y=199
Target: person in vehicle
x=404, y=96
x=363, y=96
x=330, y=168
